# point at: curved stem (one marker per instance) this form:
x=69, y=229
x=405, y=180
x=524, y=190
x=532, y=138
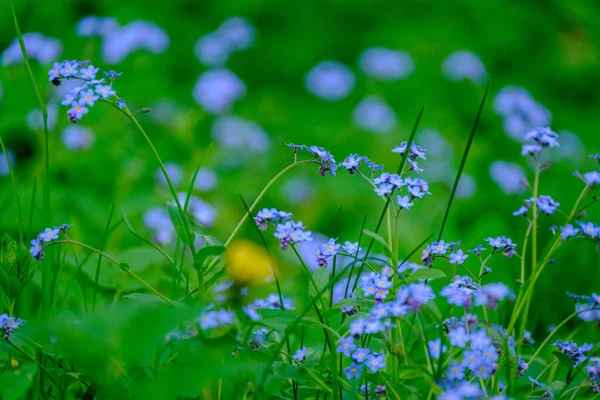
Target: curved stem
x=167, y=178
x=545, y=342
x=30, y=358
x=109, y=258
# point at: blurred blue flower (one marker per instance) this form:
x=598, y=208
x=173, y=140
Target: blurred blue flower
x=4, y=170
x=216, y=90
x=76, y=137
x=330, y=80
x=346, y=346
x=373, y=114
x=35, y=120
x=39, y=47
x=96, y=26
x=435, y=348
x=174, y=171
x=386, y=64
x=240, y=134
x=8, y=325
x=520, y=111
x=300, y=354
x=464, y=64
x=137, y=35
x=508, y=176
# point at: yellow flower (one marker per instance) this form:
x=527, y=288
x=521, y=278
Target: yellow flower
x=247, y=262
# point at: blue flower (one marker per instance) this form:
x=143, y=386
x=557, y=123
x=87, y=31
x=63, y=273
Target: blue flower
x=54, y=72
x=36, y=247
x=330, y=248
x=8, y=325
x=547, y=205
x=346, y=346
x=477, y=250
x=360, y=355
x=404, y=202
x=357, y=327
x=568, y=231
x=545, y=137
x=68, y=69
x=592, y=178
x=351, y=163
x=350, y=248
x=417, y=187
x=375, y=362
x=459, y=337
x=77, y=111
x=353, y=371
x=440, y=247
x=105, y=91
x=121, y=103
x=535, y=384
x=435, y=348
x=589, y=229
x=458, y=257
x=48, y=235
x=531, y=149
x=112, y=75
x=88, y=98
x=595, y=157
x=490, y=294
x=300, y=354
x=456, y=371
x=88, y=72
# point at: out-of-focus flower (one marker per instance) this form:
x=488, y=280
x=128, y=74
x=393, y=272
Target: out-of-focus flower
x=217, y=90
x=240, y=134
x=174, y=171
x=76, y=138
x=39, y=47
x=508, y=176
x=96, y=26
x=330, y=80
x=373, y=114
x=35, y=120
x=464, y=64
x=386, y=64
x=215, y=48
x=206, y=180
x=247, y=262
x=137, y=35
x=520, y=111
x=4, y=170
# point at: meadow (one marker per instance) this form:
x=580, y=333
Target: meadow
x=343, y=200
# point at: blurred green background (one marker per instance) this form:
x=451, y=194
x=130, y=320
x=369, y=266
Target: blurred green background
x=548, y=47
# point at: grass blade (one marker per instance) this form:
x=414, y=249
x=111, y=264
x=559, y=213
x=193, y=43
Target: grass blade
x=102, y=246
x=16, y=189
x=143, y=239
x=464, y=160
x=191, y=187
x=33, y=192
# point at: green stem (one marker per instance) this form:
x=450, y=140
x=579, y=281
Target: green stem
x=126, y=270
x=30, y=358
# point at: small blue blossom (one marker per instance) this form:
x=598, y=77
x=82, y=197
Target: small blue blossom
x=459, y=337
x=456, y=371
x=112, y=75
x=346, y=346
x=351, y=163
x=547, y=205
x=592, y=178
x=435, y=348
x=88, y=72
x=48, y=235
x=300, y=354
x=54, y=72
x=489, y=295
x=88, y=98
x=404, y=202
x=595, y=157
x=8, y=325
x=458, y=258
x=535, y=384
x=360, y=355
x=350, y=248
x=215, y=319
x=477, y=250
x=121, y=104
x=568, y=231
x=353, y=371
x=589, y=229
x=105, y=91
x=68, y=69
x=375, y=362
x=36, y=248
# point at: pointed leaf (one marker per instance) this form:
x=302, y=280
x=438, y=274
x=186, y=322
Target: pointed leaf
x=208, y=251
x=179, y=225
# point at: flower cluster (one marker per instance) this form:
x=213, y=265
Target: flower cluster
x=576, y=353
x=271, y=302
x=352, y=162
x=84, y=96
x=415, y=152
x=8, y=325
x=587, y=306
x=502, y=244
x=546, y=205
x=43, y=239
x=542, y=138
x=520, y=111
x=593, y=371
x=327, y=250
x=324, y=158
x=215, y=318
x=286, y=230
x=439, y=250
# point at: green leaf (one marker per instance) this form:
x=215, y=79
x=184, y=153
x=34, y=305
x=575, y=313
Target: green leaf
x=321, y=279
x=205, y=252
x=179, y=225
x=124, y=267
x=426, y=273
x=563, y=359
x=16, y=267
x=14, y=384
x=386, y=248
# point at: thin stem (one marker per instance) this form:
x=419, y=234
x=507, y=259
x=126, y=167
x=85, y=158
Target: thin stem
x=30, y=358
x=127, y=270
